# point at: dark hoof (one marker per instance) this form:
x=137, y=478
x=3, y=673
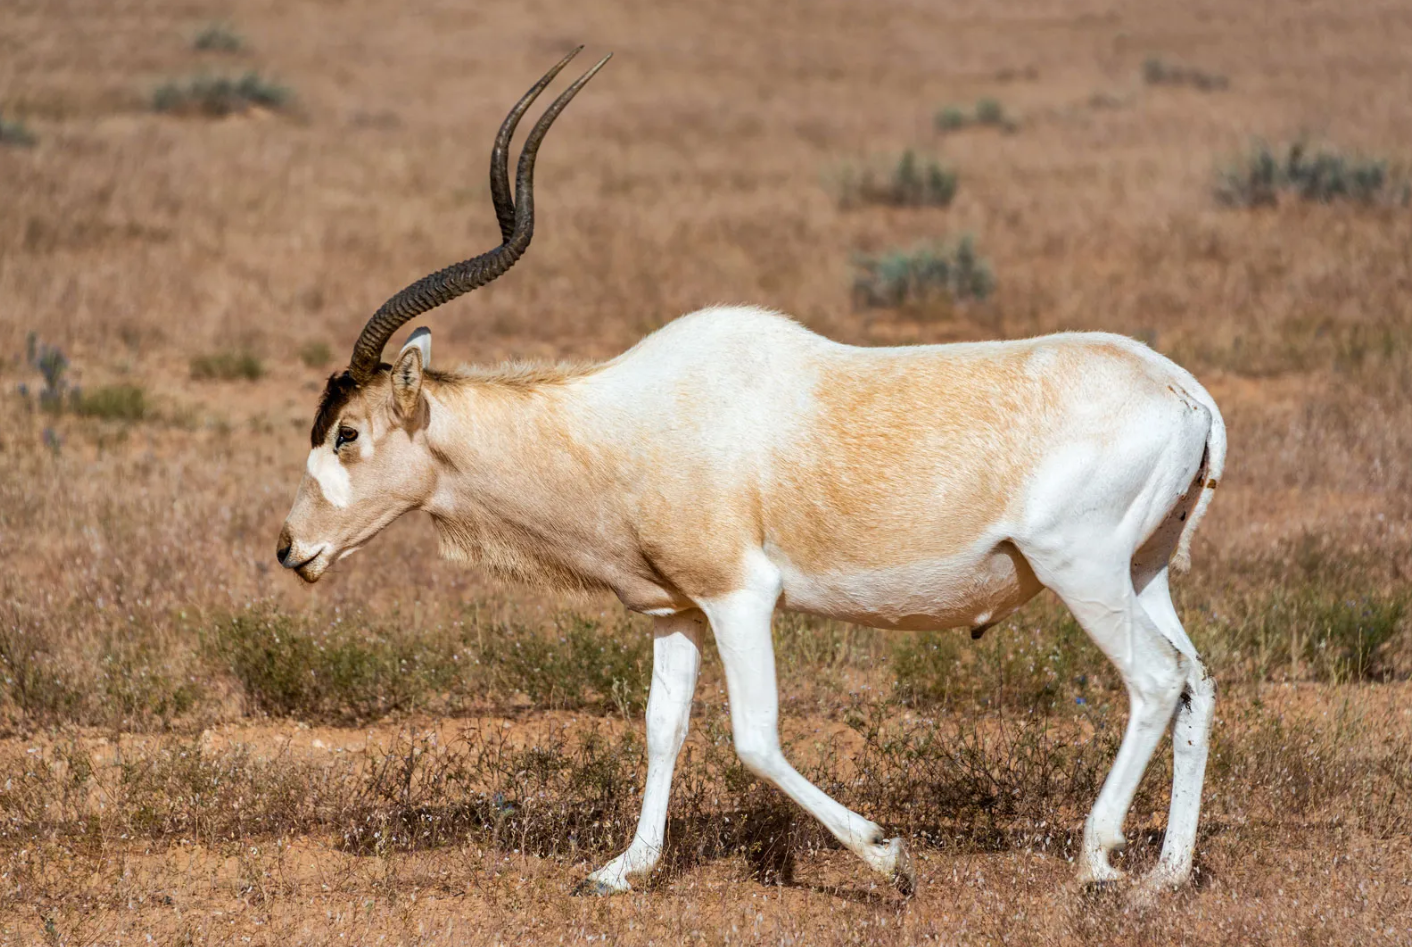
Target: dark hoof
x=591, y=888
x=904, y=874
x=1103, y=889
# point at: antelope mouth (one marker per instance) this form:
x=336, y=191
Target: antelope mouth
x=311, y=569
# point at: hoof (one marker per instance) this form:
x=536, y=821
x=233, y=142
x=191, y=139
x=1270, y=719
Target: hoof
x=593, y=888
x=904, y=873
x=1105, y=888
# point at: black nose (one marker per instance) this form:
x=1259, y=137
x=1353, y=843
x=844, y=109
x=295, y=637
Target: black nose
x=285, y=542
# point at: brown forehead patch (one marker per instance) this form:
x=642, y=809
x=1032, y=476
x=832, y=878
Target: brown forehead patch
x=337, y=393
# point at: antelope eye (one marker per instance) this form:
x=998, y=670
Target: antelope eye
x=346, y=435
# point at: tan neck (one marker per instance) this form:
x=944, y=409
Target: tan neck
x=519, y=489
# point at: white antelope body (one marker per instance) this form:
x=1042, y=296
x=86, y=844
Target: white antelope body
x=735, y=463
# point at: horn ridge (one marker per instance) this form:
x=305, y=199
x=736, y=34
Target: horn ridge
x=446, y=284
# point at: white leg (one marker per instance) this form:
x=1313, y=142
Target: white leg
x=1102, y=598
x=676, y=659
x=1191, y=730
x=741, y=623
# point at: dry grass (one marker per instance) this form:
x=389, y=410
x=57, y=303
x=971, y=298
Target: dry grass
x=430, y=757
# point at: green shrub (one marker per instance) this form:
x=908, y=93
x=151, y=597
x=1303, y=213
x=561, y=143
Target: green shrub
x=15, y=134
x=227, y=365
x=315, y=354
x=217, y=96
x=1156, y=71
x=218, y=38
x=933, y=270
x=1261, y=176
x=951, y=118
x=121, y=402
x=911, y=181
x=988, y=112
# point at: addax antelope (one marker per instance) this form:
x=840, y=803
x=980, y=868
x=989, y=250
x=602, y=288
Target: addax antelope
x=734, y=463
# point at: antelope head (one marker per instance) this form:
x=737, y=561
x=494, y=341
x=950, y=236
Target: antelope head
x=370, y=461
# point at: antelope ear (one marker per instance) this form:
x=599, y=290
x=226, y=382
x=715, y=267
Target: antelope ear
x=421, y=338
x=407, y=378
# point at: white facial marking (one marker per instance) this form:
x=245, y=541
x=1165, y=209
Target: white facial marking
x=329, y=474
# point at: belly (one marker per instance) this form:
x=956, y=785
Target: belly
x=967, y=591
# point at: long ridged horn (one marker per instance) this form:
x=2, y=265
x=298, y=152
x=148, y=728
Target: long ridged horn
x=516, y=228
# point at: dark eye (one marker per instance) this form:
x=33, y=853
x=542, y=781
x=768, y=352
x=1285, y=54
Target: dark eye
x=346, y=435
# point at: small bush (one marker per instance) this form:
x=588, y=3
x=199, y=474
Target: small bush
x=112, y=402
x=1156, y=71
x=988, y=113
x=315, y=354
x=912, y=181
x=52, y=364
x=951, y=118
x=33, y=680
x=925, y=272
x=227, y=366
x=1264, y=174
x=218, y=38
x=15, y=134
x=218, y=96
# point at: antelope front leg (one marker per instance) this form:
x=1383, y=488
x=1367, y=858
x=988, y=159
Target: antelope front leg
x=741, y=623
x=676, y=659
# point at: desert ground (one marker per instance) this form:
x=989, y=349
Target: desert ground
x=196, y=748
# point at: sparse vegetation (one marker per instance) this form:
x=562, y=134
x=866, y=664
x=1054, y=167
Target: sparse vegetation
x=1039, y=662
x=990, y=112
x=151, y=786
x=15, y=133
x=951, y=118
x=930, y=271
x=227, y=365
x=218, y=96
x=121, y=402
x=581, y=666
x=913, y=180
x=345, y=671
x=1320, y=175
x=987, y=113
x=218, y=38
x=337, y=672
x=315, y=354
x=52, y=365
x=1156, y=71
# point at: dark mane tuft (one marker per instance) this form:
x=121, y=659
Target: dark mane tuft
x=339, y=389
